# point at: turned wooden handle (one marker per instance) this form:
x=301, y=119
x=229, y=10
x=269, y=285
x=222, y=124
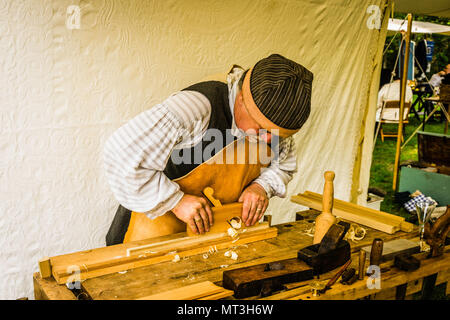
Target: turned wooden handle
x=376, y=252
x=362, y=264
x=328, y=192
x=326, y=219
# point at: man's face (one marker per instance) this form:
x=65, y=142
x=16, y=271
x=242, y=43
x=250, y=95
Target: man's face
x=245, y=122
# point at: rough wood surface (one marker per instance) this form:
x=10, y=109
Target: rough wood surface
x=148, y=280
x=49, y=289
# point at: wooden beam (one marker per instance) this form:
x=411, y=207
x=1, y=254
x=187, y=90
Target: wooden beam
x=379, y=220
x=402, y=102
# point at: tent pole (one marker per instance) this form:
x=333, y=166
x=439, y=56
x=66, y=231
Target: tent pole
x=402, y=101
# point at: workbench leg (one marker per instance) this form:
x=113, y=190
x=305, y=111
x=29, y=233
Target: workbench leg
x=400, y=291
x=428, y=286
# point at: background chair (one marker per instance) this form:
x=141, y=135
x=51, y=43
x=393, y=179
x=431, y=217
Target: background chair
x=391, y=106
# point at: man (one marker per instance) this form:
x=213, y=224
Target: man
x=391, y=92
x=436, y=79
x=159, y=194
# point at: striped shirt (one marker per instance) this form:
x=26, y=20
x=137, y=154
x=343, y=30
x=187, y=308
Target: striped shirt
x=136, y=154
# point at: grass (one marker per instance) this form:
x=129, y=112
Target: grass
x=381, y=172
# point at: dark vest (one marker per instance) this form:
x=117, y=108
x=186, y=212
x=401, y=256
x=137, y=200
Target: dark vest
x=221, y=119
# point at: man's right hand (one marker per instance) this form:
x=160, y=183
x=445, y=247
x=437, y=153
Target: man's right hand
x=195, y=212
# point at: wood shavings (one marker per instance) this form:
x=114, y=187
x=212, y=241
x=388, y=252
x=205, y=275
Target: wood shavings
x=205, y=256
x=310, y=232
x=232, y=232
x=355, y=233
x=236, y=222
x=231, y=254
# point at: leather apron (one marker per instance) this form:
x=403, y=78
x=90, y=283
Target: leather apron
x=228, y=172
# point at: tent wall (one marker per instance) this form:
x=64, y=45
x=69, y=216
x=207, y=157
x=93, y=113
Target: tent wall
x=64, y=91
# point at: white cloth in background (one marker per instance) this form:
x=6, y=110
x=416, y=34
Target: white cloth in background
x=391, y=92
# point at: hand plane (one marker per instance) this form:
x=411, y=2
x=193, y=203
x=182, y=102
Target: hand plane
x=330, y=253
x=222, y=214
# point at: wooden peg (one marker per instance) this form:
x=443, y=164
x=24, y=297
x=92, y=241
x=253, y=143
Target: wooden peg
x=362, y=264
x=208, y=192
x=326, y=219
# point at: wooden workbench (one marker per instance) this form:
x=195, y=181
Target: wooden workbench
x=145, y=281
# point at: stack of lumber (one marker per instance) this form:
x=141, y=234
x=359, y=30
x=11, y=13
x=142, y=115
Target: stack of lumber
x=205, y=290
x=118, y=258
x=369, y=217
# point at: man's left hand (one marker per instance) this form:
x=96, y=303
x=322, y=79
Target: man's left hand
x=255, y=202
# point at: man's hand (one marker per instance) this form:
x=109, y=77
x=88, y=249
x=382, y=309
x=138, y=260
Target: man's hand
x=195, y=212
x=255, y=202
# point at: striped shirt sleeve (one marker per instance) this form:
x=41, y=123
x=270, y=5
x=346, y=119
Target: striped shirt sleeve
x=136, y=153
x=274, y=179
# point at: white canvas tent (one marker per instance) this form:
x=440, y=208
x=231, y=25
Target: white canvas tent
x=396, y=25
x=65, y=90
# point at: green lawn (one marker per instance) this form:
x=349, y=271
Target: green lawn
x=381, y=172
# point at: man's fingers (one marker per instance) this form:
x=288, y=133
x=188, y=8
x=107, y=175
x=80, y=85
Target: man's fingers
x=193, y=226
x=205, y=218
x=252, y=212
x=258, y=212
x=210, y=214
x=246, y=207
x=199, y=223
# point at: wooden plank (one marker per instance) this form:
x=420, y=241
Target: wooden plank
x=366, y=210
x=90, y=265
x=361, y=219
x=49, y=289
x=190, y=292
x=224, y=294
x=347, y=207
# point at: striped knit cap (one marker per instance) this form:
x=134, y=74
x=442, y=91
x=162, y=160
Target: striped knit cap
x=281, y=90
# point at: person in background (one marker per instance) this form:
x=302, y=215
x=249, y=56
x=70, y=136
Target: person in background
x=391, y=92
x=436, y=79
